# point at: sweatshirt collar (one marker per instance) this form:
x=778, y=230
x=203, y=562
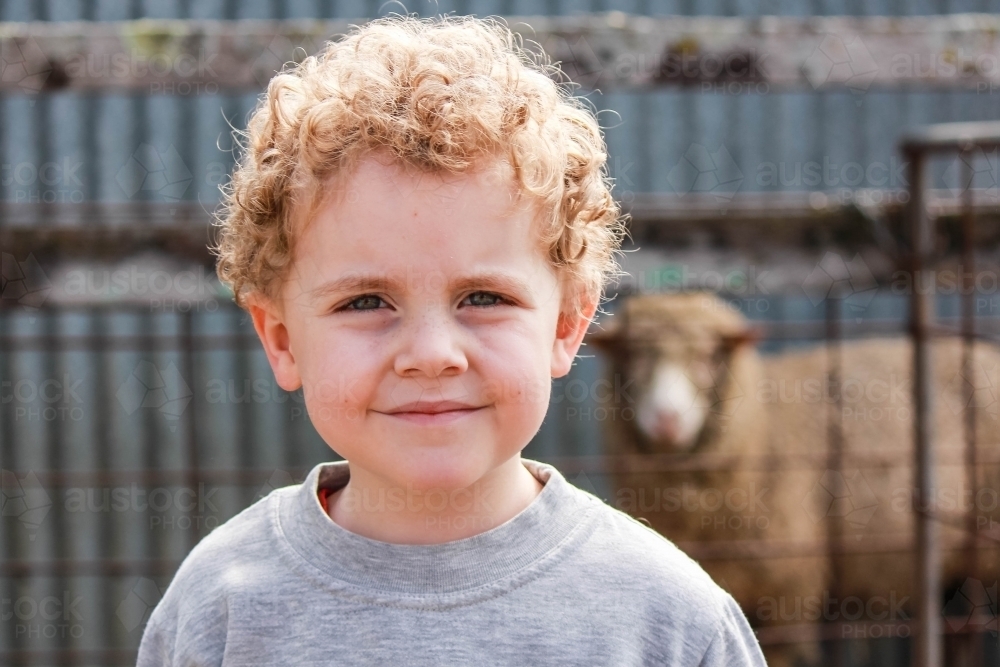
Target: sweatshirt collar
x=382, y=567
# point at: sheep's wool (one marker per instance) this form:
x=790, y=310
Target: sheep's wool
x=568, y=581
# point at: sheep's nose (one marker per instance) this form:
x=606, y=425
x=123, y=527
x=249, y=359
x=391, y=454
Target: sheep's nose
x=663, y=424
x=671, y=413
x=673, y=429
x=667, y=426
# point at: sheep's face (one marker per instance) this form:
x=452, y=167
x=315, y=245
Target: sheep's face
x=676, y=376
x=675, y=351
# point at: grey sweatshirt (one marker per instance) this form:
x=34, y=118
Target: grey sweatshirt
x=568, y=581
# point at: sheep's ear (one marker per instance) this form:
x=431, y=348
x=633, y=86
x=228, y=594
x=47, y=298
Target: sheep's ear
x=604, y=336
x=746, y=336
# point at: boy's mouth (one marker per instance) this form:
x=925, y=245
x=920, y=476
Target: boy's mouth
x=433, y=412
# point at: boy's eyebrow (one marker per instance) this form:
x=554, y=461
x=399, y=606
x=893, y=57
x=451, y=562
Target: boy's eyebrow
x=499, y=282
x=354, y=283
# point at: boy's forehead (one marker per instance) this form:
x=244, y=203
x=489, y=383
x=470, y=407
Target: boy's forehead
x=382, y=187
x=357, y=233
x=380, y=173
x=380, y=196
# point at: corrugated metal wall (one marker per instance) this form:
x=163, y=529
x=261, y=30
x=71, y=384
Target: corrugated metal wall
x=119, y=10
x=74, y=379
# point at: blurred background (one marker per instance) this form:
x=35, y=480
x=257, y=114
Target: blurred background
x=756, y=146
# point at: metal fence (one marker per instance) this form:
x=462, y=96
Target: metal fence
x=137, y=411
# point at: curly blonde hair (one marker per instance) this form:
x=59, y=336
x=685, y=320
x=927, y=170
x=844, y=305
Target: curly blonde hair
x=441, y=94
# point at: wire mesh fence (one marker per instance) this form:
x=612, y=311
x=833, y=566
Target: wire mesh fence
x=138, y=412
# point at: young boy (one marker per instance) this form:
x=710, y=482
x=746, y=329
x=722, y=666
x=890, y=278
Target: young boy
x=421, y=228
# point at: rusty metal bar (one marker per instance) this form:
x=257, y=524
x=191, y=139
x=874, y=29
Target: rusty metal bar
x=810, y=632
x=927, y=647
x=968, y=340
x=767, y=636
x=709, y=550
x=789, y=207
x=751, y=549
x=248, y=340
x=602, y=465
x=105, y=567
x=186, y=225
x=132, y=342
x=835, y=451
x=917, y=146
x=952, y=137
x=102, y=656
x=600, y=50
x=190, y=418
x=973, y=643
x=63, y=479
x=105, y=455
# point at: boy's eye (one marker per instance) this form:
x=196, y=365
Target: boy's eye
x=485, y=299
x=366, y=302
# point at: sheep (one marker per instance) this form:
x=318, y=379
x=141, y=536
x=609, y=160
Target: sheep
x=700, y=392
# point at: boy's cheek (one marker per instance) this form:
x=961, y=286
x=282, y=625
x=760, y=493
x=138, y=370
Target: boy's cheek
x=515, y=373
x=332, y=420
x=517, y=390
x=337, y=387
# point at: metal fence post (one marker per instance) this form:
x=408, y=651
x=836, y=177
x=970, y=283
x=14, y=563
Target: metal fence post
x=927, y=582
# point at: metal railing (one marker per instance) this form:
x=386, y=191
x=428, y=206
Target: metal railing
x=47, y=556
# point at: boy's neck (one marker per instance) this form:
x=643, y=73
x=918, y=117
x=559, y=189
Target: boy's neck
x=369, y=506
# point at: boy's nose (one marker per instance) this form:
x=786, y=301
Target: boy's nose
x=431, y=346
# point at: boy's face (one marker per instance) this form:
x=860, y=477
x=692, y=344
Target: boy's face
x=409, y=290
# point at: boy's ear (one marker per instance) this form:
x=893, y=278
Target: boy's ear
x=570, y=331
x=269, y=322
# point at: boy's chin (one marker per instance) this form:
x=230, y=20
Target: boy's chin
x=435, y=469
x=442, y=475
